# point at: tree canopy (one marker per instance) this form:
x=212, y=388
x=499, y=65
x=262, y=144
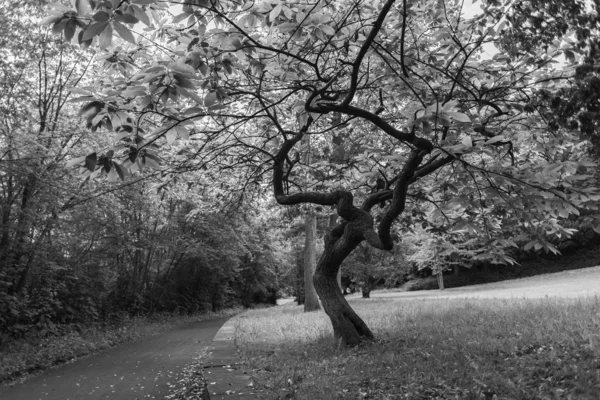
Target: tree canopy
x=417, y=112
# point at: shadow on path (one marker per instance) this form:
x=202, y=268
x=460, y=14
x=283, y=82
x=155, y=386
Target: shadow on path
x=139, y=370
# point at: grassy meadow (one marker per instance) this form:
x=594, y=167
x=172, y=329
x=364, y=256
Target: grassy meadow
x=430, y=349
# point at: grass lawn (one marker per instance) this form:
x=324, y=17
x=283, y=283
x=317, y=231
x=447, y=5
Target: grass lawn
x=430, y=349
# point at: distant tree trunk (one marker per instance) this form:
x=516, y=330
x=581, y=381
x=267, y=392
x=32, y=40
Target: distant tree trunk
x=368, y=287
x=311, y=300
x=332, y=223
x=23, y=226
x=5, y=226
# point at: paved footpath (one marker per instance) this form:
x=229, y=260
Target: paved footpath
x=223, y=369
x=139, y=370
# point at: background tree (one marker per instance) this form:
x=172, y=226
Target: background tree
x=368, y=267
x=311, y=300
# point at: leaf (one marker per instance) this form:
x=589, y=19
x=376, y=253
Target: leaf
x=298, y=34
x=275, y=12
x=495, y=139
x=180, y=17
x=58, y=27
x=82, y=7
x=51, y=19
x=171, y=136
x=450, y=105
x=210, y=99
x=152, y=161
x=105, y=38
x=70, y=30
x=190, y=94
x=467, y=142
x=90, y=161
x=93, y=30
x=59, y=7
x=194, y=110
x=141, y=15
x=113, y=175
x=83, y=43
x=182, y=132
x=133, y=153
x=287, y=27
x=216, y=107
x=328, y=30
x=130, y=18
x=124, y=32
x=101, y=16
x=75, y=161
x=134, y=91
x=570, y=56
x=120, y=170
x=235, y=42
x=457, y=116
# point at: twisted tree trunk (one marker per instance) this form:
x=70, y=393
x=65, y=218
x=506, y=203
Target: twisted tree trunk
x=347, y=325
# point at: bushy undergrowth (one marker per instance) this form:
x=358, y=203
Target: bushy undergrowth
x=226, y=262
x=449, y=349
x=20, y=357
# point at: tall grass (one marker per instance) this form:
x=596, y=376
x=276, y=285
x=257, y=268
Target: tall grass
x=433, y=349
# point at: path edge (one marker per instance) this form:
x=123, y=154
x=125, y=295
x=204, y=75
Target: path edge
x=224, y=369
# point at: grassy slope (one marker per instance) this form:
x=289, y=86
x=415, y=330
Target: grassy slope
x=582, y=258
x=433, y=349
x=21, y=358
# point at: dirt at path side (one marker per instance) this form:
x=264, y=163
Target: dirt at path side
x=140, y=370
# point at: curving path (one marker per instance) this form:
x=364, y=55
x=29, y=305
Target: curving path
x=139, y=370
